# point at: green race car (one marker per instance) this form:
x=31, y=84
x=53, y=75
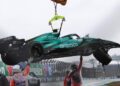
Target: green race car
x=51, y=45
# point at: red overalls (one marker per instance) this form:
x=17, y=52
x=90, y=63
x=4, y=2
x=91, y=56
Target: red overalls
x=77, y=73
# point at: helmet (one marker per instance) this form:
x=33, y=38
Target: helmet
x=16, y=69
x=67, y=72
x=73, y=66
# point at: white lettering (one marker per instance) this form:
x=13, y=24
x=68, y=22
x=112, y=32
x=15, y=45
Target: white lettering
x=68, y=45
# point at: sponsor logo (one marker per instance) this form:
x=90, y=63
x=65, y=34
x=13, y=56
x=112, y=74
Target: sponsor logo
x=68, y=45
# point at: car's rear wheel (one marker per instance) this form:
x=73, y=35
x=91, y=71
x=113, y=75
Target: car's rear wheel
x=9, y=60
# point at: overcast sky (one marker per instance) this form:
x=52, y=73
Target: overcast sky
x=29, y=18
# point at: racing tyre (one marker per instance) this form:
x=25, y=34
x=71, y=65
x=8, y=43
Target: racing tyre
x=102, y=56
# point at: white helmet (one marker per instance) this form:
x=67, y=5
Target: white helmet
x=16, y=68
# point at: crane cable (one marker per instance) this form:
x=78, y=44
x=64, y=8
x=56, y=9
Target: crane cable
x=55, y=6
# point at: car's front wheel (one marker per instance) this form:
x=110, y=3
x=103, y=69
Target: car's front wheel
x=36, y=51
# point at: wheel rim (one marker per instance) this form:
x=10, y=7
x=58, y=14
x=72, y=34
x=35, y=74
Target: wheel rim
x=36, y=51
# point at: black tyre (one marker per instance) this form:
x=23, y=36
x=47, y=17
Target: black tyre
x=12, y=56
x=36, y=51
x=102, y=56
x=9, y=60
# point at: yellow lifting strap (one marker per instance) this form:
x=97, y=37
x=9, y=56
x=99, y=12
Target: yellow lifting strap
x=56, y=17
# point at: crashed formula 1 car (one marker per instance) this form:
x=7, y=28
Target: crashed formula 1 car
x=51, y=45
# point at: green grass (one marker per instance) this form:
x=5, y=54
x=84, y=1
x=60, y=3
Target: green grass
x=113, y=84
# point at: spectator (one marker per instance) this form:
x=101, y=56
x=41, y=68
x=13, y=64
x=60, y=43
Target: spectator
x=18, y=78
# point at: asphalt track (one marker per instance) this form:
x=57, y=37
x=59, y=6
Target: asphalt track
x=52, y=84
x=88, y=82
